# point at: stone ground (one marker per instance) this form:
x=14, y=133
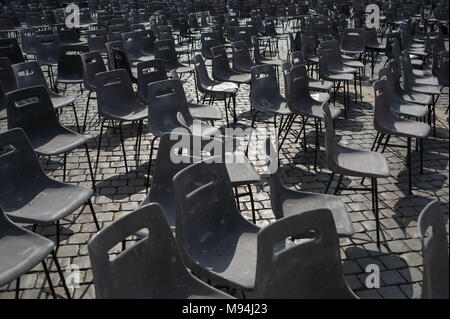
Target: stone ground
x=118, y=193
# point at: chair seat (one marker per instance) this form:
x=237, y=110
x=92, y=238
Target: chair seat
x=340, y=77
x=314, y=110
x=408, y=109
x=52, y=202
x=417, y=98
x=221, y=87
x=244, y=68
x=142, y=58
x=343, y=69
x=133, y=113
x=297, y=202
x=376, y=47
x=185, y=69
x=21, y=251
x=69, y=78
x=228, y=258
x=320, y=85
x=61, y=100
x=425, y=89
x=276, y=107
x=360, y=163
x=353, y=64
x=234, y=77
x=54, y=143
x=205, y=112
x=271, y=61
x=429, y=80
x=242, y=173
x=401, y=127
x=312, y=59
x=418, y=52
x=2, y=114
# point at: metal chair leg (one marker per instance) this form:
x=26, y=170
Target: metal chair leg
x=99, y=145
x=61, y=275
x=123, y=146
x=329, y=183
x=90, y=167
x=47, y=276
x=147, y=183
x=91, y=207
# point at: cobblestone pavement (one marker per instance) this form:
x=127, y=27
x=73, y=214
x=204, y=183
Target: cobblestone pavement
x=119, y=193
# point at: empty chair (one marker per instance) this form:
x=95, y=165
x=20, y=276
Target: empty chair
x=10, y=49
x=302, y=103
x=259, y=57
x=265, y=94
x=21, y=249
x=30, y=74
x=70, y=37
x=286, y=202
x=346, y=161
x=156, y=268
x=165, y=50
x=42, y=201
x=314, y=84
x=208, y=41
x=217, y=242
x=29, y=45
x=149, y=72
x=70, y=70
x=215, y=90
x=92, y=63
x=110, y=54
x=121, y=61
x=147, y=42
x=432, y=233
x=387, y=125
x=309, y=269
x=221, y=70
x=242, y=62
x=373, y=46
x=47, y=53
x=117, y=102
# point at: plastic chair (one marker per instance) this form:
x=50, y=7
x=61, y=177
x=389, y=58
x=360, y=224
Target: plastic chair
x=10, y=49
x=42, y=200
x=158, y=268
x=96, y=41
x=302, y=103
x=165, y=50
x=149, y=72
x=221, y=70
x=265, y=95
x=23, y=250
x=205, y=209
x=131, y=45
x=215, y=90
x=208, y=41
x=310, y=269
x=373, y=46
x=70, y=69
x=147, y=42
x=69, y=37
x=286, y=202
x=117, y=102
x=242, y=61
x=121, y=61
x=29, y=41
x=110, y=54
x=47, y=53
x=30, y=74
x=434, y=252
x=352, y=162
x=387, y=125
x=259, y=57
x=92, y=63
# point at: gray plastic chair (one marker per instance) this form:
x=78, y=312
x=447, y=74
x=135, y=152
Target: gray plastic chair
x=42, y=200
x=151, y=268
x=434, y=252
x=286, y=202
x=242, y=62
x=131, y=44
x=70, y=70
x=217, y=242
x=118, y=102
x=310, y=269
x=346, y=161
x=22, y=250
x=221, y=70
x=314, y=85
x=265, y=96
x=260, y=58
x=215, y=90
x=387, y=125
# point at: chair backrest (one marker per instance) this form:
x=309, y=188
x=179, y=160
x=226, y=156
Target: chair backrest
x=219, y=60
x=130, y=42
x=165, y=50
x=434, y=252
x=28, y=74
x=10, y=48
x=68, y=36
x=382, y=110
x=241, y=54
x=274, y=179
x=92, y=63
x=370, y=37
x=7, y=79
x=330, y=136
x=202, y=76
x=264, y=88
x=300, y=98
x=29, y=40
x=151, y=268
x=20, y=170
x=310, y=269
x=96, y=40
x=353, y=40
x=209, y=40
x=32, y=110
x=167, y=98
x=69, y=61
x=115, y=92
x=110, y=53
x=121, y=62
x=297, y=58
x=47, y=48
x=147, y=41
x=149, y=72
